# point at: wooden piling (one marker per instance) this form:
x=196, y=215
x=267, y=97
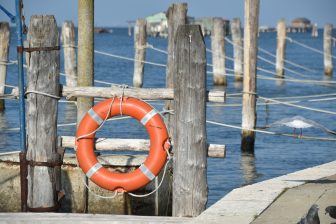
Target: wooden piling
x=176, y=15
x=218, y=51
x=327, y=45
x=190, y=164
x=237, y=49
x=249, y=83
x=4, y=50
x=43, y=77
x=140, y=41
x=70, y=57
x=314, y=31
x=281, y=48
x=85, y=63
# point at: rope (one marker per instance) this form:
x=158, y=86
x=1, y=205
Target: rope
x=156, y=49
x=270, y=132
x=226, y=57
x=298, y=106
x=287, y=61
x=127, y=58
x=3, y=62
x=308, y=47
x=42, y=93
x=9, y=153
x=159, y=185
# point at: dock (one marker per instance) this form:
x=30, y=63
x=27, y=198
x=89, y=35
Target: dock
x=284, y=199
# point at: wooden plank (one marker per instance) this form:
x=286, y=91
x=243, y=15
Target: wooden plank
x=68, y=39
x=249, y=83
x=281, y=49
x=176, y=15
x=140, y=41
x=190, y=164
x=43, y=76
x=69, y=218
x=145, y=94
x=218, y=52
x=4, y=51
x=237, y=49
x=137, y=145
x=327, y=46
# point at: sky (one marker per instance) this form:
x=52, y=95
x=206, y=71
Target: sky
x=109, y=13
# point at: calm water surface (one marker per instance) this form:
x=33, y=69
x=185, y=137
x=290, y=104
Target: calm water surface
x=274, y=155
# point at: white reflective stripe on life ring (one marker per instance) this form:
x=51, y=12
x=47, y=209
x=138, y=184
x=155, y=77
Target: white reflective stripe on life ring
x=148, y=116
x=147, y=172
x=93, y=170
x=95, y=116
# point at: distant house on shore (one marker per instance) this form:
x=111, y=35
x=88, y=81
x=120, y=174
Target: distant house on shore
x=300, y=25
x=157, y=25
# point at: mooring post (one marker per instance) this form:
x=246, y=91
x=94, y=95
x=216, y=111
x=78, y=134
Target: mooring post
x=314, y=31
x=281, y=48
x=70, y=57
x=85, y=64
x=176, y=15
x=42, y=78
x=140, y=41
x=4, y=50
x=190, y=142
x=237, y=49
x=327, y=45
x=249, y=84
x=218, y=51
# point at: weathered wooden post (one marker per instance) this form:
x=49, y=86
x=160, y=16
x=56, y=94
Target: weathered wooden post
x=70, y=57
x=190, y=164
x=314, y=31
x=281, y=48
x=42, y=78
x=249, y=83
x=327, y=45
x=85, y=53
x=4, y=50
x=237, y=49
x=85, y=62
x=140, y=41
x=218, y=51
x=176, y=15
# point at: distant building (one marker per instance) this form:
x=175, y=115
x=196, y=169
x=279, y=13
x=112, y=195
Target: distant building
x=157, y=24
x=206, y=24
x=300, y=25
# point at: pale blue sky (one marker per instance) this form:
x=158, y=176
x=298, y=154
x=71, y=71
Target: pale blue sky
x=116, y=13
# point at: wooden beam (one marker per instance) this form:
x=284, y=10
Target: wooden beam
x=249, y=84
x=43, y=76
x=137, y=145
x=145, y=94
x=190, y=189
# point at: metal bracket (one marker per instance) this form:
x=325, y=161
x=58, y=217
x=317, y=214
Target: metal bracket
x=21, y=49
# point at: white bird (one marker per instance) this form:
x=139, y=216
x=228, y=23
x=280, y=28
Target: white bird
x=298, y=122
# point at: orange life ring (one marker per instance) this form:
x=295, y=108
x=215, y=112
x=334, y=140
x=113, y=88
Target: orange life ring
x=158, y=142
